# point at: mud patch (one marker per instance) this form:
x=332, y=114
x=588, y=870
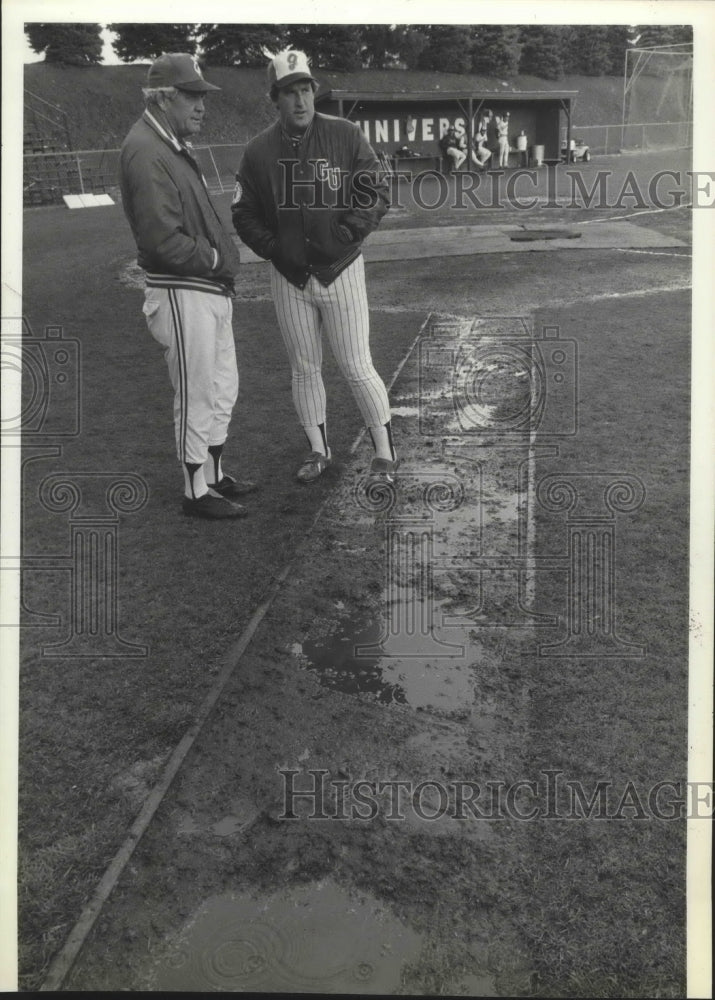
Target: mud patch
x=131, y=275
x=319, y=938
x=136, y=783
x=423, y=667
x=529, y=235
x=243, y=812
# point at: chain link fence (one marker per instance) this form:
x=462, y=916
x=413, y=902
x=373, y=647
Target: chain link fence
x=48, y=176
x=634, y=136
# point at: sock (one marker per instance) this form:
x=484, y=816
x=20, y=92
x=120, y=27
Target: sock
x=194, y=480
x=382, y=441
x=213, y=469
x=317, y=439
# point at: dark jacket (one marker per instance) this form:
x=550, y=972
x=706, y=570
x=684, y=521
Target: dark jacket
x=173, y=219
x=450, y=140
x=307, y=206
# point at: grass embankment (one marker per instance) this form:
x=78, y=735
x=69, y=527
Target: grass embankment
x=102, y=102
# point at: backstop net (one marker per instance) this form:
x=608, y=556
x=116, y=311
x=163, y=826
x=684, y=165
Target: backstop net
x=658, y=97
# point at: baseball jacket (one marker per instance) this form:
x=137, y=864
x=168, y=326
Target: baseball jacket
x=181, y=242
x=307, y=204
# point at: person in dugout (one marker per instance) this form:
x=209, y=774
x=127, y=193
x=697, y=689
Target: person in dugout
x=454, y=148
x=481, y=153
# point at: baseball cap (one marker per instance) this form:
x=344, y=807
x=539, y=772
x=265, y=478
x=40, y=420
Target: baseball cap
x=180, y=70
x=288, y=67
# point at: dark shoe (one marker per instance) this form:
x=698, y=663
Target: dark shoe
x=314, y=466
x=383, y=470
x=228, y=487
x=215, y=508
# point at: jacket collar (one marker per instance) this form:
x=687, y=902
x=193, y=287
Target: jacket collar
x=292, y=138
x=164, y=132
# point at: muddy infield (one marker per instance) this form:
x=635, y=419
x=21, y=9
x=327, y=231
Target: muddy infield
x=242, y=883
x=369, y=664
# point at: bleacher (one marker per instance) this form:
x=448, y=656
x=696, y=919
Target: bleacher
x=51, y=168
x=51, y=172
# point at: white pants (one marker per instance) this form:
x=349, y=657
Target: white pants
x=457, y=156
x=195, y=330
x=340, y=310
x=480, y=155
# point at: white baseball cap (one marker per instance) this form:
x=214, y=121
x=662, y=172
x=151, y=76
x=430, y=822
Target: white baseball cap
x=288, y=67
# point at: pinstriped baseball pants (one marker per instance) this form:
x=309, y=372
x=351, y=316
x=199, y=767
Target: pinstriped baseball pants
x=196, y=332
x=340, y=310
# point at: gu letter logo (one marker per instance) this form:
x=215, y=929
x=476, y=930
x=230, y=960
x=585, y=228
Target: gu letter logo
x=324, y=172
x=292, y=61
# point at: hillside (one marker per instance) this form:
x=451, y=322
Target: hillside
x=103, y=101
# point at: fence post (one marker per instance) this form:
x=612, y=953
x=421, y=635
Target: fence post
x=79, y=171
x=218, y=175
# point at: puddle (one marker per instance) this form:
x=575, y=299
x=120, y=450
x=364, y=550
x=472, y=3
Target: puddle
x=335, y=660
x=242, y=814
x=313, y=939
x=413, y=663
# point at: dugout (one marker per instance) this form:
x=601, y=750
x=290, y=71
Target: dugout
x=419, y=119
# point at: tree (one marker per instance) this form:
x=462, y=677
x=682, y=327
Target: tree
x=648, y=35
x=379, y=46
x=496, y=50
x=148, y=41
x=585, y=49
x=240, y=44
x=410, y=43
x=71, y=44
x=329, y=46
x=541, y=47
x=448, y=50
x=618, y=35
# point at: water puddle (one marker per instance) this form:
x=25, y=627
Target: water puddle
x=416, y=663
x=313, y=939
x=334, y=659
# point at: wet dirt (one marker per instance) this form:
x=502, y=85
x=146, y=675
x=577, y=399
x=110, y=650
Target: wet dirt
x=265, y=869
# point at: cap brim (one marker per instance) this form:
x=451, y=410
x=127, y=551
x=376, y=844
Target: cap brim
x=196, y=86
x=294, y=78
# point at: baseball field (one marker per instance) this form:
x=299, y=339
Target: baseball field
x=431, y=742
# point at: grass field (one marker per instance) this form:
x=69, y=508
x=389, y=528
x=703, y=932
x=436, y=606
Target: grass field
x=593, y=908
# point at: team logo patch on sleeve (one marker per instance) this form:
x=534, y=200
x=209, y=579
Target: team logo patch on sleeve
x=237, y=192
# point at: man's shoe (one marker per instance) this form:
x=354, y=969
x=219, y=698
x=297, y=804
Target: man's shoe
x=212, y=507
x=382, y=470
x=229, y=488
x=314, y=466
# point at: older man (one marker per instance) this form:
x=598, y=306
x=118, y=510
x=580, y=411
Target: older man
x=190, y=262
x=309, y=191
